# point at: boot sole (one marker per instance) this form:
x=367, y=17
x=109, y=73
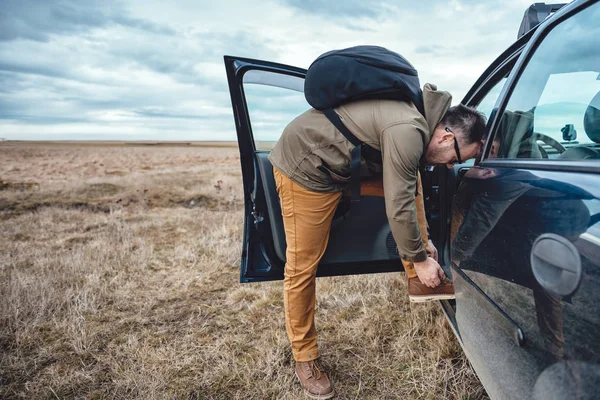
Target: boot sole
x=316, y=396
x=426, y=298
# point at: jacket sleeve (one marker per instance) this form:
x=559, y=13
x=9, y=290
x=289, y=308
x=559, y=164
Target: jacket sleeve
x=401, y=148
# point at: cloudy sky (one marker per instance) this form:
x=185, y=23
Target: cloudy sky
x=153, y=70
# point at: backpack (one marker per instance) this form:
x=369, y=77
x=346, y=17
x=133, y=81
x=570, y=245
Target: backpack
x=359, y=73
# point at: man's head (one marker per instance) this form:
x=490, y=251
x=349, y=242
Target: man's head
x=457, y=137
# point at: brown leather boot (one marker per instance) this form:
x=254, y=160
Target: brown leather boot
x=418, y=293
x=314, y=380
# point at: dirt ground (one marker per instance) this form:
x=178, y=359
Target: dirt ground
x=119, y=279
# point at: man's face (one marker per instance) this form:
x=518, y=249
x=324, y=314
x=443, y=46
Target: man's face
x=495, y=148
x=447, y=148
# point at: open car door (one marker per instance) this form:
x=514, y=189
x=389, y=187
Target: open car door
x=265, y=97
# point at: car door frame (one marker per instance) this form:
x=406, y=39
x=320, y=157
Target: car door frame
x=255, y=257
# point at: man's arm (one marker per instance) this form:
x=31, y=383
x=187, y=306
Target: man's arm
x=401, y=148
x=409, y=267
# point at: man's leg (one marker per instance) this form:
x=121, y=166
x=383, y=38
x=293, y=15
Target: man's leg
x=307, y=220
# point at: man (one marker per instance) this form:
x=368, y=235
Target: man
x=311, y=164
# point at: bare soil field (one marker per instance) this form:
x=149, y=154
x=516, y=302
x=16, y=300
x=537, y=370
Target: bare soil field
x=119, y=279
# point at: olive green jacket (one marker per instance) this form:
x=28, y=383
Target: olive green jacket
x=314, y=154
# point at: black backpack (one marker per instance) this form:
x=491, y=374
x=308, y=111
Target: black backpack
x=358, y=73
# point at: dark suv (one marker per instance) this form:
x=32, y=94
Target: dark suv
x=518, y=229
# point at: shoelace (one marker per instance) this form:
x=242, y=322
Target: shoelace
x=314, y=370
x=446, y=281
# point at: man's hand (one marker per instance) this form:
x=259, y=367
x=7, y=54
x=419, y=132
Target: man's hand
x=429, y=272
x=434, y=252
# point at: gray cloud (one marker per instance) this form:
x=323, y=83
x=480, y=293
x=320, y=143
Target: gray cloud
x=165, y=113
x=335, y=9
x=40, y=19
x=68, y=65
x=22, y=67
x=432, y=50
x=42, y=119
x=181, y=60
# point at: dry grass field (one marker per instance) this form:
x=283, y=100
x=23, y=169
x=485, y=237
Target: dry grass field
x=119, y=270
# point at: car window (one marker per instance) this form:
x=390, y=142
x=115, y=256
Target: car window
x=553, y=111
x=273, y=101
x=486, y=105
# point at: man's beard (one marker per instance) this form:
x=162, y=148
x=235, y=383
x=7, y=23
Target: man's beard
x=433, y=157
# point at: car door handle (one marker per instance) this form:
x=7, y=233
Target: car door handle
x=556, y=264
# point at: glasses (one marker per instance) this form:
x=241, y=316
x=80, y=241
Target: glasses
x=459, y=160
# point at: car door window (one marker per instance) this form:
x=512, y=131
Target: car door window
x=553, y=111
x=486, y=105
x=273, y=100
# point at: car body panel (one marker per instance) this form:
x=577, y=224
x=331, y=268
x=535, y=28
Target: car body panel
x=506, y=319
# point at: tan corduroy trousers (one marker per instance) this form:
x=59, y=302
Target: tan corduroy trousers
x=307, y=220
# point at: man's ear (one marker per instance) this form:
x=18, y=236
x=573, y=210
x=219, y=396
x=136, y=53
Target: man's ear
x=445, y=136
x=440, y=135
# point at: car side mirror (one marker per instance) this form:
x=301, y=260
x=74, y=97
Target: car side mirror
x=569, y=133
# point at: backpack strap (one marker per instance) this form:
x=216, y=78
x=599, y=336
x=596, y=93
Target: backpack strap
x=355, y=155
x=361, y=149
x=335, y=119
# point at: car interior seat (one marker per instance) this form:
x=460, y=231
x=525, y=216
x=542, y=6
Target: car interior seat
x=591, y=125
x=591, y=120
x=518, y=139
